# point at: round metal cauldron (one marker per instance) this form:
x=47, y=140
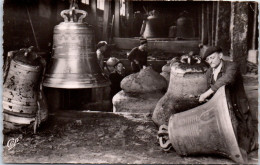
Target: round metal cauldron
x=20, y=94
x=74, y=62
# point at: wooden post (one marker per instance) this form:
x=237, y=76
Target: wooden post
x=209, y=23
x=222, y=35
x=254, y=26
x=217, y=23
x=204, y=35
x=117, y=18
x=200, y=23
x=106, y=20
x=129, y=17
x=93, y=16
x=239, y=33
x=214, y=13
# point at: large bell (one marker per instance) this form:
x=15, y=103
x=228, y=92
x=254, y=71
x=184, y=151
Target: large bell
x=74, y=62
x=20, y=88
x=187, y=80
x=185, y=27
x=153, y=26
x=207, y=129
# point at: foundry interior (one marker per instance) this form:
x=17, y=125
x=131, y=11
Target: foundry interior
x=74, y=91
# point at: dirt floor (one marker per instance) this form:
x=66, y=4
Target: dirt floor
x=99, y=137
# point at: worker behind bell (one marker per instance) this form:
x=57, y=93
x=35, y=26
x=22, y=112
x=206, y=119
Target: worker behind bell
x=109, y=65
x=185, y=28
x=102, y=49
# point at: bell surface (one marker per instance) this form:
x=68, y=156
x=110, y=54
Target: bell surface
x=186, y=82
x=74, y=63
x=76, y=72
x=206, y=129
x=154, y=27
x=19, y=95
x=185, y=28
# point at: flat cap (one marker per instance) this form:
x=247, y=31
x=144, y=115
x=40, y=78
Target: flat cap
x=143, y=41
x=101, y=43
x=210, y=50
x=112, y=61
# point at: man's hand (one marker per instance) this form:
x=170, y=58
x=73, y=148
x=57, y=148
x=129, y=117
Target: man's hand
x=205, y=95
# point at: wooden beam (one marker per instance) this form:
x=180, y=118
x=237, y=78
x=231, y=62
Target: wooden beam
x=217, y=23
x=254, y=26
x=117, y=18
x=239, y=34
x=129, y=16
x=175, y=47
x=93, y=15
x=222, y=35
x=209, y=23
x=106, y=20
x=204, y=27
x=200, y=22
x=213, y=25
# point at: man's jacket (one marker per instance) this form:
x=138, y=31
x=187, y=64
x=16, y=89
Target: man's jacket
x=138, y=55
x=230, y=76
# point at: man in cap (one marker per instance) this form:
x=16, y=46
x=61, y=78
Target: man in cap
x=102, y=50
x=138, y=56
x=227, y=73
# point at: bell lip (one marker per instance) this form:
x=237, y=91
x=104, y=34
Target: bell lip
x=9, y=126
x=238, y=157
x=75, y=86
x=17, y=119
x=17, y=114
